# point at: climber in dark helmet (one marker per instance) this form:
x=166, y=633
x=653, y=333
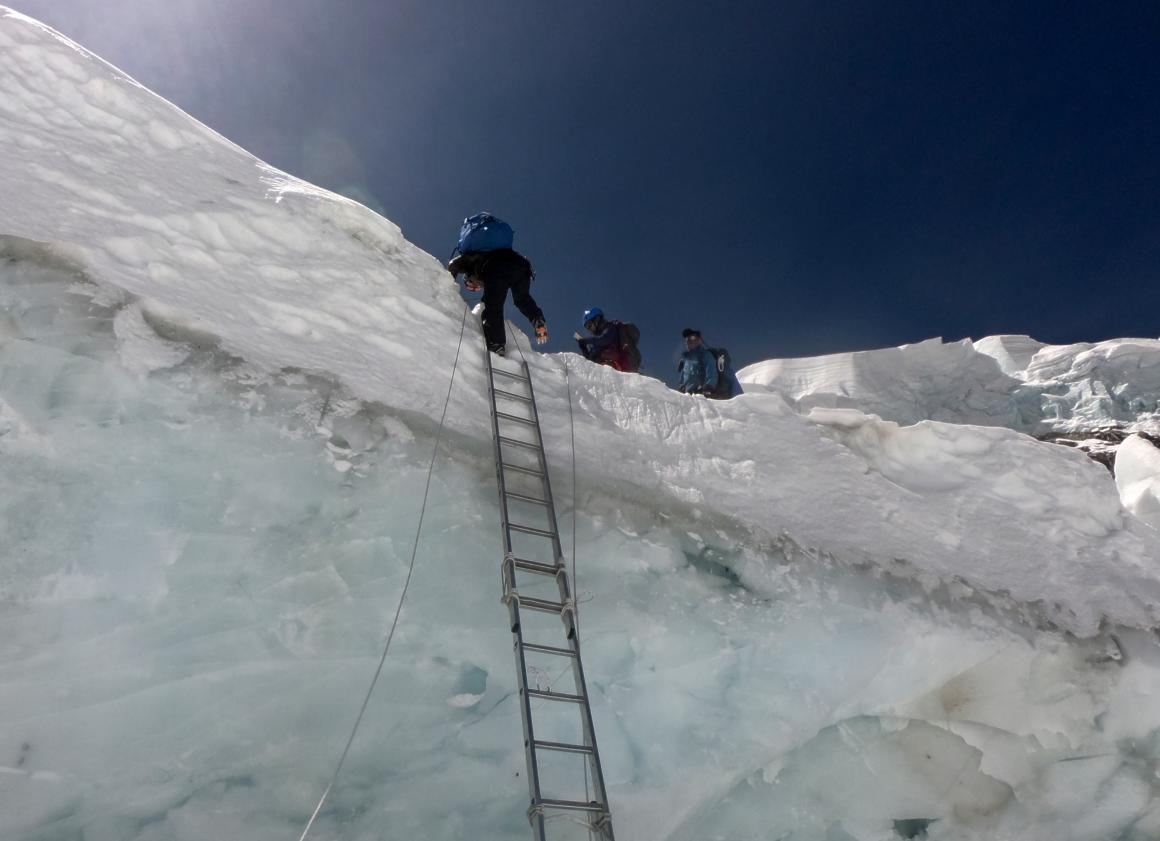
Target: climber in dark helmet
x=698, y=367
x=611, y=343
x=488, y=262
x=707, y=371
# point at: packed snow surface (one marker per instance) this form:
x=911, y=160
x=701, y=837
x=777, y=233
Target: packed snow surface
x=1138, y=478
x=828, y=609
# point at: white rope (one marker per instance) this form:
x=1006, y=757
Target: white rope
x=515, y=334
x=575, y=582
x=572, y=432
x=402, y=596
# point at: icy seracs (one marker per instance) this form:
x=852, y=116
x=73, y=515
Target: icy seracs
x=1010, y=381
x=218, y=393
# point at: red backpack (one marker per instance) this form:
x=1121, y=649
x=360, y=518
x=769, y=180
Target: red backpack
x=627, y=337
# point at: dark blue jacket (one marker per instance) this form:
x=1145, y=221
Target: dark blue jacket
x=698, y=370
x=614, y=345
x=607, y=339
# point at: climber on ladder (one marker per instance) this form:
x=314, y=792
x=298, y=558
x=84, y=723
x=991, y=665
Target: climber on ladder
x=487, y=261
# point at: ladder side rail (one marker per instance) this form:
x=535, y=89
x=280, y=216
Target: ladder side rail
x=509, y=572
x=503, y=508
x=539, y=826
x=593, y=759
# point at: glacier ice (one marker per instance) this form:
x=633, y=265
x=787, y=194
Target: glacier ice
x=203, y=585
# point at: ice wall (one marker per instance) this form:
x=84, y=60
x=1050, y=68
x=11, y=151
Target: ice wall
x=206, y=556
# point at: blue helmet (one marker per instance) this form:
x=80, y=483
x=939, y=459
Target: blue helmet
x=590, y=314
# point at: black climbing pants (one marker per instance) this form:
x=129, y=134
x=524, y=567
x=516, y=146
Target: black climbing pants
x=494, y=294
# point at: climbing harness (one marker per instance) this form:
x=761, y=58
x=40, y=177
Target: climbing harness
x=402, y=595
x=530, y=551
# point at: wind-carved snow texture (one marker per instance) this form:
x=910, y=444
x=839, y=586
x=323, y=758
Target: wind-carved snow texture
x=1010, y=381
x=1090, y=396
x=217, y=405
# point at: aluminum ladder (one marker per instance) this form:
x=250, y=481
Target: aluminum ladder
x=534, y=561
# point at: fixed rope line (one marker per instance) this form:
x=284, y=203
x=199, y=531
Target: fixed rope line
x=516, y=341
x=406, y=584
x=576, y=595
x=575, y=505
x=572, y=431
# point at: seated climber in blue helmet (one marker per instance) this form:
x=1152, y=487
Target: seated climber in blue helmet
x=612, y=343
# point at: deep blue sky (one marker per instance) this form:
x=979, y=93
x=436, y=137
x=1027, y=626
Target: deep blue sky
x=793, y=178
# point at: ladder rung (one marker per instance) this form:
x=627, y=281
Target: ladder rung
x=515, y=418
x=509, y=374
x=574, y=805
x=555, y=696
x=535, y=500
x=499, y=392
x=562, y=747
x=536, y=566
x=541, y=604
x=531, y=530
x=526, y=444
x=549, y=649
x=531, y=471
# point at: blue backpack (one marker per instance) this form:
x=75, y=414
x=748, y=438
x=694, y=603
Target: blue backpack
x=483, y=232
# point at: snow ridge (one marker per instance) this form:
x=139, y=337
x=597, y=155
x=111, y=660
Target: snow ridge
x=1010, y=381
x=207, y=245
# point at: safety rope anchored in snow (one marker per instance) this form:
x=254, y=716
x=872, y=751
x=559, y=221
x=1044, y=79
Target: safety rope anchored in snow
x=575, y=582
x=572, y=432
x=406, y=584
